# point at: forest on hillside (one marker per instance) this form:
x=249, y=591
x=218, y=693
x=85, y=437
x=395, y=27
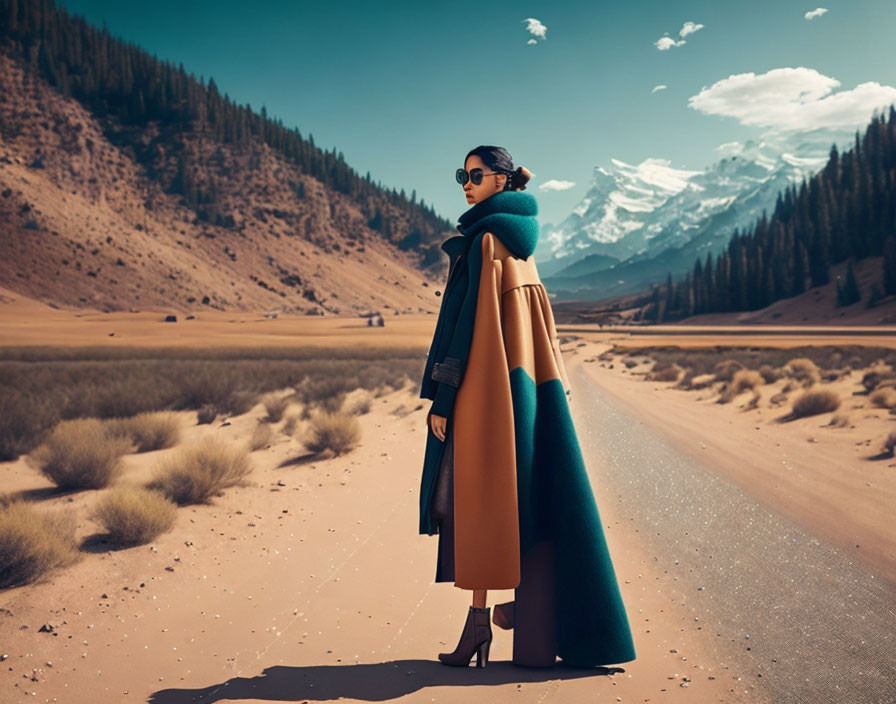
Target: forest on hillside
x=847, y=211
x=117, y=80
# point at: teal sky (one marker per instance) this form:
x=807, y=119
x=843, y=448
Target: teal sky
x=405, y=89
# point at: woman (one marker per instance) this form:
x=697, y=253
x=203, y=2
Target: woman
x=504, y=484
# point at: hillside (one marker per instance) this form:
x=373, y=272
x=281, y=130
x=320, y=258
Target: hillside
x=104, y=213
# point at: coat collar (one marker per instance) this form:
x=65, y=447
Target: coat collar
x=454, y=246
x=510, y=215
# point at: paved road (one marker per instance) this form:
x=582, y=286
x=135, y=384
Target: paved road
x=817, y=626
x=756, y=331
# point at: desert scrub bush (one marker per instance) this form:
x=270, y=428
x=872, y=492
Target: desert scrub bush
x=743, y=380
x=275, y=407
x=80, y=454
x=684, y=381
x=702, y=381
x=289, y=425
x=890, y=443
x=770, y=374
x=206, y=414
x=133, y=515
x=337, y=432
x=323, y=391
x=261, y=436
x=629, y=363
x=813, y=402
x=724, y=370
x=839, y=420
x=147, y=431
x=238, y=402
x=357, y=402
x=663, y=372
x=829, y=375
x=201, y=471
x=32, y=542
x=803, y=370
x=876, y=377
x=884, y=397
x=778, y=399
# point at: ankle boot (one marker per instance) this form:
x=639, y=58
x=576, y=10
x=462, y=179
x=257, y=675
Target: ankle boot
x=476, y=637
x=503, y=617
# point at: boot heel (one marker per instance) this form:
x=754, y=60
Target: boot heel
x=482, y=654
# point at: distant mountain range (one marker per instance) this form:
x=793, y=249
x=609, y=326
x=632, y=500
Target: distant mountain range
x=639, y=222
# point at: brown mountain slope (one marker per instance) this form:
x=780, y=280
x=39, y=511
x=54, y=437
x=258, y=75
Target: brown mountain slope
x=85, y=222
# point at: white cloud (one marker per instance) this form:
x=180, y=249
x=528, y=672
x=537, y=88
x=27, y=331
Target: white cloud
x=659, y=87
x=817, y=12
x=531, y=41
x=555, y=185
x=535, y=28
x=730, y=148
x=791, y=99
x=666, y=43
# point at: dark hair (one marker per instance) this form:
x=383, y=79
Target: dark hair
x=499, y=159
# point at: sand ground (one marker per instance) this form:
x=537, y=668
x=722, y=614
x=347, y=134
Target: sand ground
x=313, y=584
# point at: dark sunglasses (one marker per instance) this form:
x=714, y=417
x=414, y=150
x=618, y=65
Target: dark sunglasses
x=474, y=175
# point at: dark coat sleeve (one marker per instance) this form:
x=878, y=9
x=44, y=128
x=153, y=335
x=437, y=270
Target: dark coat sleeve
x=450, y=372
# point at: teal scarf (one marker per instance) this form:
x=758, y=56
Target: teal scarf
x=510, y=216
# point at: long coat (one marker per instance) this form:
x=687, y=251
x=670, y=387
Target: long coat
x=519, y=476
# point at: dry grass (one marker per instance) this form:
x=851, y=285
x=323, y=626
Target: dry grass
x=701, y=381
x=201, y=471
x=742, y=380
x=32, y=542
x=275, y=406
x=889, y=445
x=839, y=420
x=770, y=374
x=148, y=431
x=724, y=370
x=357, y=402
x=663, y=372
x=778, y=399
x=289, y=425
x=704, y=359
x=134, y=515
x=41, y=385
x=803, y=370
x=80, y=454
x=884, y=397
x=262, y=436
x=813, y=402
x=880, y=376
x=336, y=432
x=206, y=414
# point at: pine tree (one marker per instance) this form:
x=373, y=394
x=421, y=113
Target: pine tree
x=848, y=293
x=669, y=295
x=889, y=282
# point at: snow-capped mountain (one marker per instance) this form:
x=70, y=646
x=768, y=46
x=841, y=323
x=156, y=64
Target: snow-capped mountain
x=637, y=222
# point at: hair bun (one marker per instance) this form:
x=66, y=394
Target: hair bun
x=520, y=177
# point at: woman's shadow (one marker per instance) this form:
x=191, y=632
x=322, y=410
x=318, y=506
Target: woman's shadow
x=375, y=682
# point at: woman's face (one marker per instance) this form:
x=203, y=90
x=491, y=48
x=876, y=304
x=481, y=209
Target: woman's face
x=490, y=185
